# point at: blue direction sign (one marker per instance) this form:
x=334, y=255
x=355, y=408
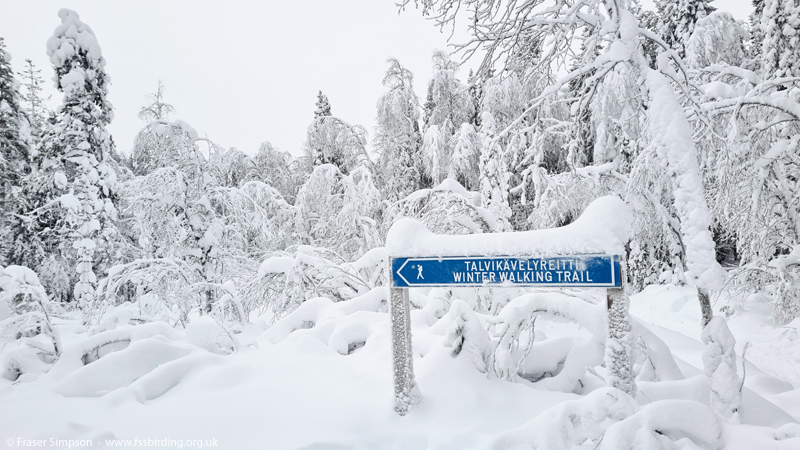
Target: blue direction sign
x=574, y=270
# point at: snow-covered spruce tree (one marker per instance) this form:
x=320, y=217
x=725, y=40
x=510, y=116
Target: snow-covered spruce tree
x=435, y=147
x=73, y=186
x=756, y=32
x=678, y=18
x=323, y=106
x=32, y=100
x=14, y=156
x=780, y=52
x=398, y=142
x=331, y=140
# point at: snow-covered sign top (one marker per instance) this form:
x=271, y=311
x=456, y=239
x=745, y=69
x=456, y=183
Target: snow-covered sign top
x=604, y=227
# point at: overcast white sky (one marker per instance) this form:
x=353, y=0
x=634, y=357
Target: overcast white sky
x=242, y=72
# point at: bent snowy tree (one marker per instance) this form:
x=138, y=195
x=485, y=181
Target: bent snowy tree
x=541, y=38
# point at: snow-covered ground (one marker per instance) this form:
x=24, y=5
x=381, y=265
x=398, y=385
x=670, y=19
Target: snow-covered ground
x=306, y=383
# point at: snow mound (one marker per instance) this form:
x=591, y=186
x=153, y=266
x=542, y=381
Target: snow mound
x=571, y=423
x=344, y=326
x=120, y=368
x=666, y=424
x=207, y=333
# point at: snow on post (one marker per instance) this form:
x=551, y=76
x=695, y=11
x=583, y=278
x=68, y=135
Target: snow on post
x=619, y=344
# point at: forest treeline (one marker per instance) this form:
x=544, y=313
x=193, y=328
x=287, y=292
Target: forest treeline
x=693, y=121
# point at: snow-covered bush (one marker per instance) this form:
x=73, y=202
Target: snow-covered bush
x=164, y=143
x=196, y=238
x=278, y=169
x=513, y=328
x=559, y=199
x=664, y=425
x=786, y=289
x=719, y=365
x=467, y=335
x=28, y=341
x=287, y=279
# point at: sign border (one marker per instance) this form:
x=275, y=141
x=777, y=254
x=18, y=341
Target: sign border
x=615, y=269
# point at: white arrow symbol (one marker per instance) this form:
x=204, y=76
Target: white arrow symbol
x=400, y=274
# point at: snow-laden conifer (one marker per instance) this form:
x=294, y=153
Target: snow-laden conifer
x=780, y=51
x=15, y=142
x=678, y=19
x=72, y=192
x=323, y=106
x=33, y=100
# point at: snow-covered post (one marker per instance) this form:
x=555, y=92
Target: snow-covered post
x=620, y=337
x=406, y=393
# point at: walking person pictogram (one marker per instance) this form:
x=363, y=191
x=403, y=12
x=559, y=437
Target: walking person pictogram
x=419, y=272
